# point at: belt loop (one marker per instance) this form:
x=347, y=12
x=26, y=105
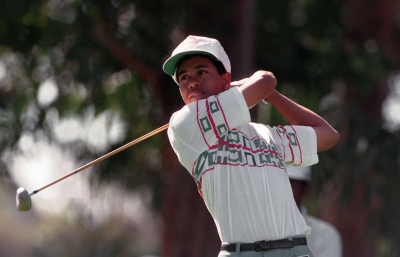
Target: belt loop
x=238, y=249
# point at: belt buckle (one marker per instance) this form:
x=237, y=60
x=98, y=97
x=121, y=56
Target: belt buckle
x=262, y=245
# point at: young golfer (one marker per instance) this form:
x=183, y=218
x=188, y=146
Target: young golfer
x=239, y=166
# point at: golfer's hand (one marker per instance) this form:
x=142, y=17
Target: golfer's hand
x=257, y=87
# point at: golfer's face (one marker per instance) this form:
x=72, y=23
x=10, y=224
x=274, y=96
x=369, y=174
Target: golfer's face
x=198, y=79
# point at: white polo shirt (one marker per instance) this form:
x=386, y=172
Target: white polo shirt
x=239, y=168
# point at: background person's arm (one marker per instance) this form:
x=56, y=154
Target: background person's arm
x=296, y=114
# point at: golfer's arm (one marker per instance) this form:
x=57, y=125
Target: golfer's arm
x=256, y=88
x=296, y=114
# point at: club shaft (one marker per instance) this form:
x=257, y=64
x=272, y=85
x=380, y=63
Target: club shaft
x=152, y=133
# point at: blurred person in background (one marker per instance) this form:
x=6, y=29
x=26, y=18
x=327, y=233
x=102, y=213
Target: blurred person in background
x=325, y=240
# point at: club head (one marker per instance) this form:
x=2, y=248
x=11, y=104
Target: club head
x=23, y=200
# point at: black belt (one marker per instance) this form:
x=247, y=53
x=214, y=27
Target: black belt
x=266, y=245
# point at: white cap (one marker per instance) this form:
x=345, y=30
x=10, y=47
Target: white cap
x=196, y=45
x=299, y=173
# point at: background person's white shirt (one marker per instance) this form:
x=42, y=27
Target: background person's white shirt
x=325, y=240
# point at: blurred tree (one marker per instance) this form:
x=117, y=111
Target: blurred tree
x=370, y=162
x=331, y=56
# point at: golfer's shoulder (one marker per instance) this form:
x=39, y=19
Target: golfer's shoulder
x=183, y=119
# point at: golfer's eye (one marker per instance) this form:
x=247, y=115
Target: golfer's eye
x=183, y=77
x=202, y=72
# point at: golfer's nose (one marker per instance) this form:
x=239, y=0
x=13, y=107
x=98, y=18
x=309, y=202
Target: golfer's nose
x=193, y=83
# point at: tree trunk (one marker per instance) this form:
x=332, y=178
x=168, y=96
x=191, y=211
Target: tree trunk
x=188, y=228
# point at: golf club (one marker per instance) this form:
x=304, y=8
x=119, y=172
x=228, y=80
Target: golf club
x=23, y=198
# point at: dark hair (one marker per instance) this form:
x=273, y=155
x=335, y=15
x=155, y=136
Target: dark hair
x=220, y=67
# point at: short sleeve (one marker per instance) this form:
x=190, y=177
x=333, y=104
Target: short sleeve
x=298, y=144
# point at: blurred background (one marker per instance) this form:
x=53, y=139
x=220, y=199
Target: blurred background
x=81, y=78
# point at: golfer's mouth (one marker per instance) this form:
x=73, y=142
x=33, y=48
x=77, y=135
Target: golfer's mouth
x=196, y=94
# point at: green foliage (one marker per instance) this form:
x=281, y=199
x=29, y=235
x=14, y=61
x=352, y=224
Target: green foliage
x=49, y=39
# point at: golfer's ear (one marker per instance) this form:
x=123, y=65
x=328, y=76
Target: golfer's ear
x=227, y=80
